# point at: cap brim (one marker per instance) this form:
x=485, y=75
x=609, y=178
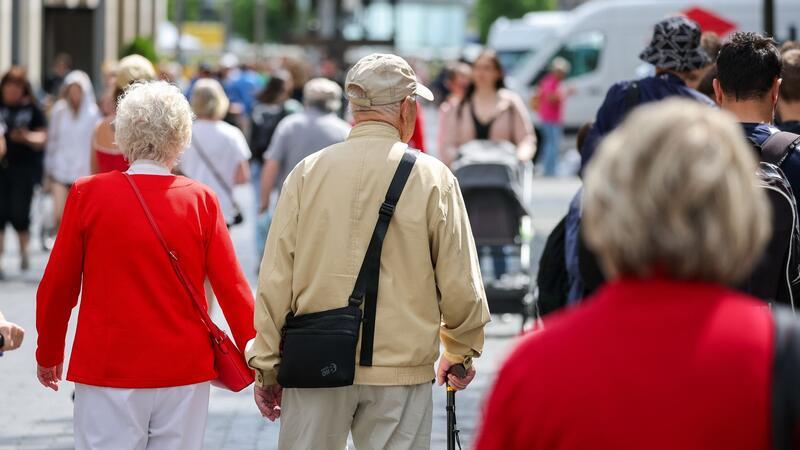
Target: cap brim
x=424, y=92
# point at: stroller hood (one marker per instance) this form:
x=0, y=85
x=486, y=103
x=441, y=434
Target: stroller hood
x=491, y=166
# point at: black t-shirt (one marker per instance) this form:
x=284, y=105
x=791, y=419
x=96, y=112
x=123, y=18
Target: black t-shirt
x=26, y=117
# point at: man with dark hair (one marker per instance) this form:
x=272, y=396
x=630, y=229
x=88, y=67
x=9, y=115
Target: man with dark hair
x=748, y=82
x=789, y=98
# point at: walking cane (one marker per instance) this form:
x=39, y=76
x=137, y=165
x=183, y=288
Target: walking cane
x=452, y=432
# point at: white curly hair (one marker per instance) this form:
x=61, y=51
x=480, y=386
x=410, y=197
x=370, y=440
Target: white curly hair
x=154, y=121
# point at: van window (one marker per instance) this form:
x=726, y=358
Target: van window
x=510, y=58
x=583, y=51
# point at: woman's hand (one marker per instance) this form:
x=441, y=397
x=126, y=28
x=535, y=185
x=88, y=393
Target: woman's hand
x=268, y=400
x=49, y=377
x=18, y=135
x=35, y=139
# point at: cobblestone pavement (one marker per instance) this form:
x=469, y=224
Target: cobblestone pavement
x=34, y=418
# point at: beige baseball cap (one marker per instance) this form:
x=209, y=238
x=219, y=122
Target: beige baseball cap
x=383, y=79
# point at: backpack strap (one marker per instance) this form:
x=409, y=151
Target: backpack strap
x=366, y=288
x=777, y=147
x=785, y=373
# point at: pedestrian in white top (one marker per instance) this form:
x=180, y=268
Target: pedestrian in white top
x=69, y=138
x=218, y=153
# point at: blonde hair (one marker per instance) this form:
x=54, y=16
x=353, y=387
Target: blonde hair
x=209, y=100
x=153, y=121
x=134, y=68
x=674, y=191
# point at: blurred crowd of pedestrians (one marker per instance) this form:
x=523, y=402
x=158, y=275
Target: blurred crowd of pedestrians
x=687, y=225
x=247, y=128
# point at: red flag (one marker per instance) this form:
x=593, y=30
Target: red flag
x=709, y=21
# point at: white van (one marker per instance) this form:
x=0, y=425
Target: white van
x=515, y=40
x=603, y=39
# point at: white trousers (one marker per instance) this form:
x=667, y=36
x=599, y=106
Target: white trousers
x=171, y=418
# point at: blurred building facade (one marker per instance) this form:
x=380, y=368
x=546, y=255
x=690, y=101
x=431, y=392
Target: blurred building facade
x=34, y=32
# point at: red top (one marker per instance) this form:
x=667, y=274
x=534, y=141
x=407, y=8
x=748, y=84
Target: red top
x=137, y=327
x=107, y=162
x=418, y=138
x=654, y=365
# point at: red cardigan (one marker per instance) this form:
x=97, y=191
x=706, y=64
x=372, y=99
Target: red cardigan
x=137, y=328
x=644, y=365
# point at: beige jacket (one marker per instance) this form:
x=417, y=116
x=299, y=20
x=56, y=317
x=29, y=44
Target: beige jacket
x=430, y=285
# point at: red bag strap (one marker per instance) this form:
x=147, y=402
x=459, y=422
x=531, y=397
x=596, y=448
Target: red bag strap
x=200, y=303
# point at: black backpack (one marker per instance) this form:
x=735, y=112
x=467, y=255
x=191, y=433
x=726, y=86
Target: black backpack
x=776, y=277
x=552, y=278
x=263, y=122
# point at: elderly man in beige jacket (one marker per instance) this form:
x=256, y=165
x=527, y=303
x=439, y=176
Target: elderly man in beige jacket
x=430, y=287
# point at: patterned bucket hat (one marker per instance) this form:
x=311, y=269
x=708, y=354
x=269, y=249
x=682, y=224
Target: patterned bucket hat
x=676, y=46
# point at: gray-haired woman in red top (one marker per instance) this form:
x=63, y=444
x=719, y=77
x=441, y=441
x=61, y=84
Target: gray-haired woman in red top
x=142, y=358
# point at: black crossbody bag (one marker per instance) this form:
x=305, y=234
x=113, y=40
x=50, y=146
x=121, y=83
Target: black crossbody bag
x=318, y=350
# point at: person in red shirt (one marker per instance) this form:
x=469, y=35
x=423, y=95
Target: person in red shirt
x=665, y=356
x=142, y=359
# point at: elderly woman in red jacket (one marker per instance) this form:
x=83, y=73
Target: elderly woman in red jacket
x=665, y=356
x=142, y=359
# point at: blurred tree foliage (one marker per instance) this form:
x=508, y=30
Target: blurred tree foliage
x=487, y=11
x=141, y=46
x=280, y=20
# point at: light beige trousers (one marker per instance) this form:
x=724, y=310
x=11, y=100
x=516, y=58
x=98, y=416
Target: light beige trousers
x=379, y=417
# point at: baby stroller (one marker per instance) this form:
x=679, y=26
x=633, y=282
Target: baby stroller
x=497, y=192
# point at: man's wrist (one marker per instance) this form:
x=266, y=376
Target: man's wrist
x=264, y=379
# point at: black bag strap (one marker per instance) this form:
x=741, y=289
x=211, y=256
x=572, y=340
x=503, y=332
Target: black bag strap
x=777, y=147
x=215, y=173
x=785, y=373
x=366, y=288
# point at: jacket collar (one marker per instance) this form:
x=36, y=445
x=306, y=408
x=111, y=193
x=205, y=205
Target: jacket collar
x=148, y=167
x=374, y=129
